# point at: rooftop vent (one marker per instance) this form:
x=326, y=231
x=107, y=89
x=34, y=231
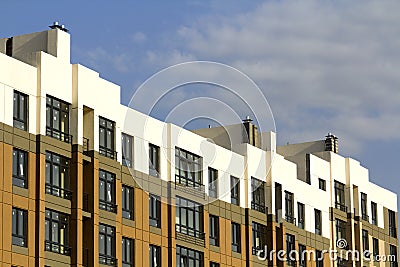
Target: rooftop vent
x=247, y=119
x=331, y=143
x=57, y=26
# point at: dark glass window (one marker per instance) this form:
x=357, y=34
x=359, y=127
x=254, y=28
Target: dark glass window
x=155, y=256
x=365, y=240
x=155, y=211
x=341, y=262
x=302, y=256
x=321, y=184
x=106, y=138
x=188, y=168
x=57, y=119
x=278, y=201
x=57, y=176
x=340, y=229
x=318, y=222
x=340, y=202
x=19, y=227
x=290, y=246
x=57, y=232
x=128, y=252
x=236, y=237
x=257, y=195
x=212, y=182
x=319, y=258
x=20, y=113
x=235, y=191
x=214, y=264
x=308, y=173
x=259, y=237
x=20, y=168
x=189, y=217
x=214, y=230
x=393, y=256
x=107, y=191
x=107, y=245
x=364, y=211
x=375, y=245
x=289, y=209
x=374, y=211
x=154, y=160
x=301, y=215
x=127, y=202
x=186, y=257
x=127, y=150
x=392, y=224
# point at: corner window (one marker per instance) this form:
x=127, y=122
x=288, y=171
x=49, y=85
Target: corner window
x=128, y=252
x=188, y=168
x=127, y=150
x=57, y=232
x=322, y=184
x=127, y=202
x=106, y=138
x=235, y=191
x=257, y=195
x=155, y=211
x=155, y=256
x=214, y=230
x=212, y=183
x=19, y=227
x=57, y=176
x=57, y=119
x=20, y=168
x=236, y=237
x=20, y=113
x=154, y=160
x=107, y=191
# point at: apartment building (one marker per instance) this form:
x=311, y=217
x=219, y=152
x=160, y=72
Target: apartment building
x=86, y=181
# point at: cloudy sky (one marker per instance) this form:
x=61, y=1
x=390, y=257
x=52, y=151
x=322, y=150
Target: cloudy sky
x=324, y=66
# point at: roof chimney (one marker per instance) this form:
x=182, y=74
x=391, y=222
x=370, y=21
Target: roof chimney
x=56, y=25
x=331, y=143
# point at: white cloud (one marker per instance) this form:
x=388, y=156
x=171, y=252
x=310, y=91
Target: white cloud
x=101, y=57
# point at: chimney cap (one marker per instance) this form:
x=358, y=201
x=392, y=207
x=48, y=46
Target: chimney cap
x=56, y=25
x=247, y=119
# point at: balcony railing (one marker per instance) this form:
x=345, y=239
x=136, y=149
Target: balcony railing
x=300, y=223
x=341, y=206
x=189, y=231
x=109, y=153
x=365, y=217
x=258, y=207
x=58, y=191
x=290, y=219
x=108, y=260
x=57, y=248
x=65, y=137
x=108, y=206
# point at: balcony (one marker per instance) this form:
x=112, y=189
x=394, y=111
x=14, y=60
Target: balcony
x=190, y=235
x=57, y=248
x=258, y=207
x=58, y=191
x=108, y=206
x=341, y=206
x=109, y=153
x=65, y=137
x=365, y=217
x=108, y=260
x=290, y=219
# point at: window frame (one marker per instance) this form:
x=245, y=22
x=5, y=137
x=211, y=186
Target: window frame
x=192, y=175
x=259, y=231
x=322, y=184
x=364, y=207
x=392, y=223
x=235, y=191
x=127, y=150
x=18, y=179
x=258, y=195
x=57, y=242
x=302, y=257
x=319, y=258
x=52, y=112
x=393, y=252
x=374, y=213
x=189, y=255
x=301, y=214
x=18, y=122
x=107, y=138
x=341, y=229
x=60, y=188
x=289, y=207
x=108, y=179
x=128, y=204
x=214, y=230
x=154, y=160
x=236, y=236
x=340, y=199
x=290, y=246
x=108, y=233
x=375, y=248
x=19, y=229
x=154, y=210
x=318, y=221
x=128, y=252
x=155, y=256
x=212, y=182
x=185, y=207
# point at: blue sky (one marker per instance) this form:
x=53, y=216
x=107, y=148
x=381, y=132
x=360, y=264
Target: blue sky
x=324, y=66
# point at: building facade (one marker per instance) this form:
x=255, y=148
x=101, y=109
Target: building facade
x=86, y=181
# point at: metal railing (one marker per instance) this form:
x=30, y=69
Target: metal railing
x=108, y=260
x=57, y=248
x=109, y=153
x=183, y=229
x=365, y=217
x=108, y=206
x=65, y=137
x=58, y=191
x=340, y=206
x=290, y=219
x=258, y=207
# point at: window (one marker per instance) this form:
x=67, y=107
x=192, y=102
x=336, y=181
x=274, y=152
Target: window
x=236, y=237
x=374, y=210
x=318, y=222
x=365, y=240
x=341, y=262
x=340, y=229
x=308, y=172
x=20, y=113
x=155, y=256
x=128, y=252
x=214, y=230
x=319, y=257
x=289, y=248
x=154, y=160
x=106, y=138
x=107, y=191
x=57, y=119
x=393, y=256
x=57, y=232
x=339, y=197
x=107, y=245
x=212, y=182
x=188, y=168
x=57, y=176
x=127, y=150
x=155, y=211
x=214, y=264
x=278, y=200
x=392, y=224
x=19, y=227
x=257, y=195
x=20, y=168
x=186, y=257
x=364, y=212
x=321, y=184
x=289, y=210
x=189, y=218
x=259, y=237
x=235, y=191
x=127, y=202
x=375, y=247
x=301, y=215
x=302, y=256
